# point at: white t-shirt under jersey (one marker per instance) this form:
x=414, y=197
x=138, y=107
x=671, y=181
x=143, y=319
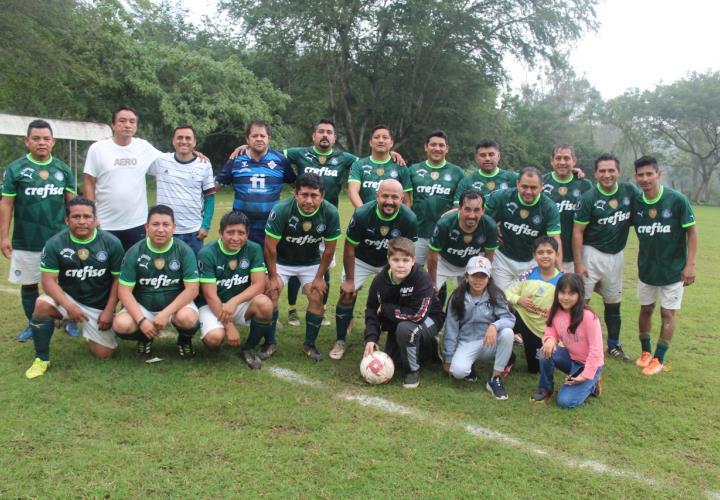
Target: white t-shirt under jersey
x=120, y=189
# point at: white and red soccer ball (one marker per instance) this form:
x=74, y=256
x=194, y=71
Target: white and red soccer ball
x=377, y=368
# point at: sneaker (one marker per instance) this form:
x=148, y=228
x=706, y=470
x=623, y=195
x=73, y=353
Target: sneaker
x=325, y=322
x=312, y=352
x=644, y=359
x=71, y=328
x=251, y=358
x=293, y=318
x=267, y=351
x=186, y=350
x=25, y=335
x=653, y=368
x=509, y=365
x=495, y=386
x=541, y=395
x=598, y=386
x=412, y=380
x=338, y=350
x=472, y=377
x=144, y=347
x=616, y=351
x=37, y=369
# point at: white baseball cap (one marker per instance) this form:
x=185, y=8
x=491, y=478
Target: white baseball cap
x=478, y=264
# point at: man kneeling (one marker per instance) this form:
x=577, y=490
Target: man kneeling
x=232, y=279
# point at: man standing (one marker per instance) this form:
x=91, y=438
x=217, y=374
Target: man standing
x=115, y=171
x=565, y=190
x=488, y=177
x=295, y=228
x=665, y=226
x=600, y=231
x=80, y=268
x=186, y=185
x=434, y=183
x=366, y=173
x=257, y=177
x=370, y=229
x=522, y=214
x=459, y=236
x=35, y=189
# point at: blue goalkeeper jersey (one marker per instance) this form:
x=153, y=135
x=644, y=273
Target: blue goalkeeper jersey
x=257, y=186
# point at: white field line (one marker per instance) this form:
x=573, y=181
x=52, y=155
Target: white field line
x=388, y=406
x=7, y=289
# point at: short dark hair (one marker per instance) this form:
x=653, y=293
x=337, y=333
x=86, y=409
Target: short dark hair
x=531, y=171
x=161, y=210
x=381, y=127
x=544, y=240
x=233, y=218
x=324, y=121
x=184, y=125
x=486, y=143
x=438, y=133
x=471, y=194
x=80, y=201
x=644, y=161
x=402, y=245
x=309, y=180
x=560, y=146
x=39, y=124
x=607, y=157
x=124, y=108
x=258, y=123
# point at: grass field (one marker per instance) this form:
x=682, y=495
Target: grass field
x=213, y=428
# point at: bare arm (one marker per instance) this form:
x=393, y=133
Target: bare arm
x=274, y=283
x=89, y=186
x=559, y=261
x=106, y=316
x=7, y=206
x=407, y=198
x=432, y=262
x=577, y=244
x=688, y=273
x=354, y=194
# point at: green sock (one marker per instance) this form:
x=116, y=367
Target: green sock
x=259, y=329
x=42, y=329
x=645, y=342
x=343, y=317
x=312, y=327
x=185, y=335
x=661, y=348
x=270, y=333
x=28, y=296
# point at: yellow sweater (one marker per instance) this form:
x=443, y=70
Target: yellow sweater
x=531, y=284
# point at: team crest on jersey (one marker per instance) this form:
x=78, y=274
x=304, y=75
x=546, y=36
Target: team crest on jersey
x=320, y=228
x=434, y=175
x=44, y=174
x=159, y=264
x=562, y=190
x=613, y=203
x=333, y=161
x=626, y=201
x=384, y=230
x=59, y=176
x=490, y=185
x=467, y=238
x=322, y=159
x=83, y=253
x=67, y=253
x=307, y=226
x=27, y=172
x=652, y=213
x=395, y=233
x=524, y=214
x=244, y=264
x=393, y=174
x=667, y=213
x=536, y=219
x=379, y=172
x=232, y=264
x=447, y=177
x=272, y=164
x=174, y=265
x=101, y=256
x=576, y=193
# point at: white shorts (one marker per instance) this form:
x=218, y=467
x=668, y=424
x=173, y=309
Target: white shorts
x=605, y=274
x=306, y=274
x=505, y=269
x=151, y=315
x=568, y=267
x=446, y=270
x=24, y=267
x=89, y=328
x=332, y=262
x=670, y=295
x=421, y=250
x=208, y=320
x=363, y=271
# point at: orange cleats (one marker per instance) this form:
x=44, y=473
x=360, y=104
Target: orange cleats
x=653, y=368
x=644, y=360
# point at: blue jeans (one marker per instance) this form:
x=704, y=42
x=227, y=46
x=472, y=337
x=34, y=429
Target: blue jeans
x=569, y=396
x=191, y=240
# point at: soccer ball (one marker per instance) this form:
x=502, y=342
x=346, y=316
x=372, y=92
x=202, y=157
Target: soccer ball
x=377, y=368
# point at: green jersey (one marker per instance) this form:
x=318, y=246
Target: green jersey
x=520, y=223
x=433, y=192
x=330, y=166
x=85, y=268
x=230, y=271
x=607, y=216
x=456, y=246
x=299, y=233
x=369, y=231
x=158, y=275
x=38, y=189
x=661, y=227
x=486, y=184
x=368, y=173
x=566, y=195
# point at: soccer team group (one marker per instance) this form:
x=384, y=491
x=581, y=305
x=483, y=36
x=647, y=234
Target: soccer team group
x=527, y=251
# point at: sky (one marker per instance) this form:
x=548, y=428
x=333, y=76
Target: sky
x=640, y=43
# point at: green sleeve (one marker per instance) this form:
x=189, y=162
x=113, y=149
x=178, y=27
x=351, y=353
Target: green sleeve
x=412, y=224
x=354, y=232
x=462, y=186
x=9, y=187
x=292, y=154
x=275, y=224
x=49, y=258
x=208, y=211
x=491, y=242
x=493, y=203
x=206, y=264
x=332, y=229
x=190, y=267
x=405, y=179
x=437, y=240
x=257, y=260
x=687, y=216
x=355, y=172
x=70, y=182
x=116, y=256
x=582, y=213
x=128, y=272
x=553, y=217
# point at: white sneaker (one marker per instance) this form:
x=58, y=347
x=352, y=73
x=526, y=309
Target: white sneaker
x=325, y=322
x=338, y=350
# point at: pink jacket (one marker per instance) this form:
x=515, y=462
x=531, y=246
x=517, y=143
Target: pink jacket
x=585, y=345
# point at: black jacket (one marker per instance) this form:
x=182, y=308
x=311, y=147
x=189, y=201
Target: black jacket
x=412, y=300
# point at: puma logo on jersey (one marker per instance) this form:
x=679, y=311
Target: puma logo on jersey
x=655, y=228
x=433, y=189
x=85, y=272
x=44, y=191
x=521, y=229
